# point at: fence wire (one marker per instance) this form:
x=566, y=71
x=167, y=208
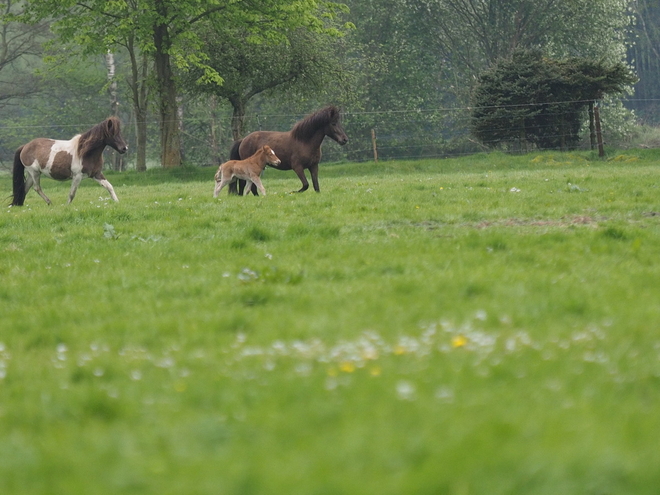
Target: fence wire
x=399, y=134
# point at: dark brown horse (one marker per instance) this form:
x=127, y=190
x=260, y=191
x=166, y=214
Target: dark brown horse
x=77, y=158
x=298, y=149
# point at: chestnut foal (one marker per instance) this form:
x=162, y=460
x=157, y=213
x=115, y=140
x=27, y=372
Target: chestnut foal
x=249, y=170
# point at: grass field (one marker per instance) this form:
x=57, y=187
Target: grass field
x=483, y=325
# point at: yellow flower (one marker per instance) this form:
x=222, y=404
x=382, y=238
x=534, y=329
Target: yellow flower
x=459, y=341
x=375, y=371
x=347, y=367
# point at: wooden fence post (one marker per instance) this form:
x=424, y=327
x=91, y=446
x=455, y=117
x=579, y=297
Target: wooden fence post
x=599, y=134
x=373, y=143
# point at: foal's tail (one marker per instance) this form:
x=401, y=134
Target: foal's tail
x=18, y=198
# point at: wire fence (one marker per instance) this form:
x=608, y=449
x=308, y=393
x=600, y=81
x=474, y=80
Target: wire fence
x=389, y=134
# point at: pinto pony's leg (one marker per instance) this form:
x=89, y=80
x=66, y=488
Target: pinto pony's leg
x=100, y=178
x=74, y=187
x=35, y=177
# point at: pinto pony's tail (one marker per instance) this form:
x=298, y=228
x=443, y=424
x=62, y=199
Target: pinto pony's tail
x=18, y=197
x=234, y=155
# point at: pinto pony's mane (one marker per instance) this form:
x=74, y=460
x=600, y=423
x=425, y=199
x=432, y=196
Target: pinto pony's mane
x=97, y=135
x=306, y=128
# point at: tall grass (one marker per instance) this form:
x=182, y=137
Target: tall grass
x=484, y=325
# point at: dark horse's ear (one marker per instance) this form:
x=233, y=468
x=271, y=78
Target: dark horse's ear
x=334, y=113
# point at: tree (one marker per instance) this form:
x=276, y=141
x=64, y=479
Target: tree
x=533, y=99
x=644, y=56
x=302, y=60
x=163, y=29
x=20, y=47
x=472, y=35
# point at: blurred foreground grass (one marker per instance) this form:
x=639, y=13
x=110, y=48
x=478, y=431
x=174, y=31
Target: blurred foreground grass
x=484, y=325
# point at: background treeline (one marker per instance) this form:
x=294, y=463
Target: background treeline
x=405, y=68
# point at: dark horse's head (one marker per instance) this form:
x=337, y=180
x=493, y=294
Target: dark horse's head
x=107, y=133
x=327, y=119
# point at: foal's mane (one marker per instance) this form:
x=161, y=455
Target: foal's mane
x=306, y=128
x=96, y=136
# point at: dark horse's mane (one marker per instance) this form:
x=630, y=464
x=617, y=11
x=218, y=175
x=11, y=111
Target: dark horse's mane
x=306, y=128
x=96, y=136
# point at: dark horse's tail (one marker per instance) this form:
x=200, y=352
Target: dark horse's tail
x=18, y=198
x=233, y=153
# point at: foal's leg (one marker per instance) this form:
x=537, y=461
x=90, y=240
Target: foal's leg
x=218, y=187
x=248, y=186
x=37, y=186
x=100, y=178
x=257, y=182
x=241, y=188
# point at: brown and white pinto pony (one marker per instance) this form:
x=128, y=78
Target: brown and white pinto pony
x=299, y=149
x=75, y=159
x=249, y=170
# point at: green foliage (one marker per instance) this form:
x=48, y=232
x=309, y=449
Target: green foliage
x=533, y=99
x=439, y=326
x=643, y=55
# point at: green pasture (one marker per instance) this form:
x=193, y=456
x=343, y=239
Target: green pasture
x=483, y=325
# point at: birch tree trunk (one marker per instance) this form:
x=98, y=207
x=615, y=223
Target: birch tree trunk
x=118, y=160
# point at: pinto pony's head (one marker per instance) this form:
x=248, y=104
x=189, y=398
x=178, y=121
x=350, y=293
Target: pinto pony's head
x=107, y=133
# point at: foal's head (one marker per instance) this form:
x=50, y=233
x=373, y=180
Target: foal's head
x=107, y=133
x=271, y=157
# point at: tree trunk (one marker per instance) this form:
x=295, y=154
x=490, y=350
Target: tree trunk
x=141, y=114
x=215, y=158
x=238, y=118
x=592, y=126
x=138, y=84
x=170, y=138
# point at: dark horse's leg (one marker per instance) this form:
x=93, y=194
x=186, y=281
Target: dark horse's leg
x=239, y=186
x=314, y=172
x=300, y=172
